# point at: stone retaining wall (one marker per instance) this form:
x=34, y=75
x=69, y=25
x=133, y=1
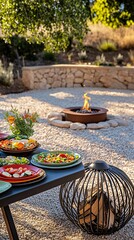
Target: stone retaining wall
x=53, y=76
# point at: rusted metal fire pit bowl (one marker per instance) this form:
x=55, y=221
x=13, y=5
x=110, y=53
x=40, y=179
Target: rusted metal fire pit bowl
x=96, y=115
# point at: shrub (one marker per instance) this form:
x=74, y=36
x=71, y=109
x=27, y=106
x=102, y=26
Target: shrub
x=6, y=75
x=82, y=55
x=106, y=46
x=31, y=57
x=69, y=56
x=119, y=59
x=49, y=56
x=101, y=61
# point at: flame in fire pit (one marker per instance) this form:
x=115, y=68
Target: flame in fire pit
x=86, y=105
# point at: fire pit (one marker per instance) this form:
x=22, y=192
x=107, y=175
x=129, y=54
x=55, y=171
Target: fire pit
x=96, y=115
x=85, y=114
x=86, y=117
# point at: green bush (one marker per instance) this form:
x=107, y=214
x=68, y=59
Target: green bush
x=106, y=46
x=49, y=56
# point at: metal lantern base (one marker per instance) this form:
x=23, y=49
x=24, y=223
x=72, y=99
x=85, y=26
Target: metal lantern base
x=101, y=202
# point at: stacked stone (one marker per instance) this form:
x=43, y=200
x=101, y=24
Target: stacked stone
x=56, y=119
x=55, y=76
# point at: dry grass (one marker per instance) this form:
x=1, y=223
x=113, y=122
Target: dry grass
x=131, y=56
x=123, y=36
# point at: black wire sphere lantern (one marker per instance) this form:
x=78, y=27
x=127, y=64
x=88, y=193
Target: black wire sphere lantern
x=101, y=202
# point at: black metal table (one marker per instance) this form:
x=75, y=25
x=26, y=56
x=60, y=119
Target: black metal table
x=53, y=178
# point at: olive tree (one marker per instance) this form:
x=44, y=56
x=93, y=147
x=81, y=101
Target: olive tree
x=113, y=13
x=52, y=22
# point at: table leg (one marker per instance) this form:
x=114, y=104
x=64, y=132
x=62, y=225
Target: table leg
x=9, y=223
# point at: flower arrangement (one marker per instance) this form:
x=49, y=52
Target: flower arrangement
x=21, y=125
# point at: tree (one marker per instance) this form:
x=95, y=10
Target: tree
x=52, y=22
x=113, y=13
x=127, y=5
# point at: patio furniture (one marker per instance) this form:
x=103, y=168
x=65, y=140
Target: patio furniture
x=101, y=202
x=53, y=178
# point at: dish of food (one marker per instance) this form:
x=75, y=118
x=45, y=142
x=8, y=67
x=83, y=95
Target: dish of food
x=16, y=173
x=55, y=167
x=33, y=181
x=56, y=158
x=18, y=146
x=13, y=160
x=4, y=186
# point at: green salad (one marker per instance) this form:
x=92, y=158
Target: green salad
x=57, y=157
x=13, y=160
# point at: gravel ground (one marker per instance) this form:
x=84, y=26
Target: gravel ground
x=40, y=216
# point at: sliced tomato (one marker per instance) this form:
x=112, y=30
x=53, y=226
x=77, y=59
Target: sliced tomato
x=62, y=155
x=70, y=158
x=13, y=170
x=7, y=169
x=22, y=169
